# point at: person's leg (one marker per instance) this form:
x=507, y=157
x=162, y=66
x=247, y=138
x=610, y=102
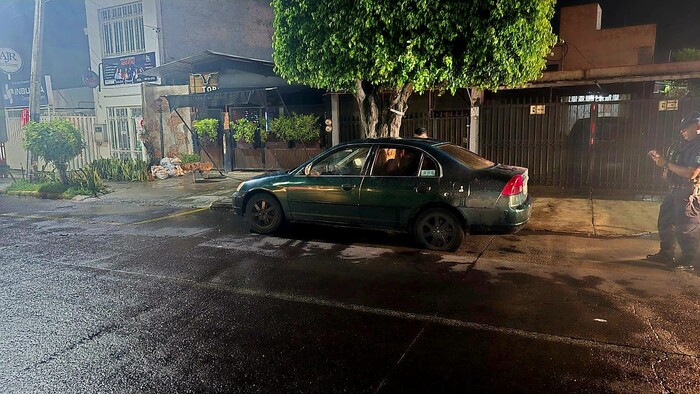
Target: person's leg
x=667, y=236
x=688, y=231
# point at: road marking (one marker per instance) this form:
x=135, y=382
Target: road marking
x=57, y=219
x=443, y=321
x=173, y=215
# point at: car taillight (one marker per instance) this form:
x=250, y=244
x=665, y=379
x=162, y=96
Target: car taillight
x=514, y=186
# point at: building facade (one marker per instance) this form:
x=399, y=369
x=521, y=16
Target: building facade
x=127, y=38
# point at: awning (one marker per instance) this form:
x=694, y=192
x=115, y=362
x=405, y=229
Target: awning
x=239, y=98
x=178, y=72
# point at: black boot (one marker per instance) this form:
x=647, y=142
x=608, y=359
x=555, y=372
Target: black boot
x=684, y=263
x=661, y=257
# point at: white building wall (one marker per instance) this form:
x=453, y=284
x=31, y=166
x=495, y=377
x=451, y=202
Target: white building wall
x=120, y=95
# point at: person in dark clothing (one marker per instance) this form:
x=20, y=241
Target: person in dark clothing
x=679, y=216
x=420, y=132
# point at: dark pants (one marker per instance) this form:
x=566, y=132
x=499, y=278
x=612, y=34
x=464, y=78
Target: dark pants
x=679, y=219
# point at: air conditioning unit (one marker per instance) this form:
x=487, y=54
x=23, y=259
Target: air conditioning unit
x=100, y=133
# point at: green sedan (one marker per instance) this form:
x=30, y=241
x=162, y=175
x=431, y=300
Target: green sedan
x=433, y=189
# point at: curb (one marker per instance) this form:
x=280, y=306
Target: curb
x=223, y=204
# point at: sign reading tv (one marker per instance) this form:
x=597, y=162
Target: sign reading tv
x=128, y=69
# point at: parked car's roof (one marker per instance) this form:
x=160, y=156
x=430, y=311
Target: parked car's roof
x=417, y=142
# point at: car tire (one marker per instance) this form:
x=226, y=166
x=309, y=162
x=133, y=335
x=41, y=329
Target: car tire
x=264, y=213
x=438, y=229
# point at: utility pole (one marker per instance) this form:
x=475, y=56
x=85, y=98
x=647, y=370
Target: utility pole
x=35, y=76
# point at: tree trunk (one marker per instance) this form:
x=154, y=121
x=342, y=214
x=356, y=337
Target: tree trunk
x=381, y=110
x=62, y=168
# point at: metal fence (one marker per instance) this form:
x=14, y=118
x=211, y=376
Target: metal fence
x=452, y=128
x=599, y=145
x=17, y=156
x=595, y=145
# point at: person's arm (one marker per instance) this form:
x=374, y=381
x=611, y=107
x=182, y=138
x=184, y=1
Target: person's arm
x=683, y=172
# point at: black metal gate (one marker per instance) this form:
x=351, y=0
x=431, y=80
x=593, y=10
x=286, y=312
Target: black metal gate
x=592, y=145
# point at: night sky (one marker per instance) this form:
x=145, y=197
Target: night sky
x=66, y=53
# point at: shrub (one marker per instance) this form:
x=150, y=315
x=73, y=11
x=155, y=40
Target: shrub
x=56, y=141
x=87, y=179
x=114, y=169
x=207, y=129
x=244, y=129
x=295, y=127
x=190, y=158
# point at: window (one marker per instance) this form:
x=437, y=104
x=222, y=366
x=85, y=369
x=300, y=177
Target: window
x=466, y=157
x=349, y=161
x=122, y=29
x=396, y=162
x=124, y=142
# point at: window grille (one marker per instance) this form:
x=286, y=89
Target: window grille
x=122, y=29
x=122, y=127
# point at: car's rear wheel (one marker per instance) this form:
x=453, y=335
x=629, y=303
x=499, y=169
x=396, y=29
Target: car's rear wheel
x=438, y=229
x=264, y=213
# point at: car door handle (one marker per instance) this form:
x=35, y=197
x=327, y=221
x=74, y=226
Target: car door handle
x=422, y=189
x=347, y=187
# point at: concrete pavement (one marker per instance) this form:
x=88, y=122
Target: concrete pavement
x=593, y=217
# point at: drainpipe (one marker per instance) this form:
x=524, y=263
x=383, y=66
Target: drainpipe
x=162, y=143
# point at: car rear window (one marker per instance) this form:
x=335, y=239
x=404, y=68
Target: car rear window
x=466, y=157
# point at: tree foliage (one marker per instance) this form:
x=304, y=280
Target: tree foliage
x=401, y=46
x=56, y=141
x=683, y=87
x=686, y=54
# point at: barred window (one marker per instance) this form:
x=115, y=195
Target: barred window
x=122, y=29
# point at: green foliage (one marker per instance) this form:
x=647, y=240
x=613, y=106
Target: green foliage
x=114, y=169
x=87, y=179
x=295, y=127
x=686, y=54
x=190, y=158
x=244, y=129
x=77, y=185
x=207, y=129
x=431, y=44
x=56, y=141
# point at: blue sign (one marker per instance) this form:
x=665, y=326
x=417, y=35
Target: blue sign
x=16, y=94
x=128, y=69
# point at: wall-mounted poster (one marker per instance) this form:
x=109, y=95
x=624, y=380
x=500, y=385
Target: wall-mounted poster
x=128, y=69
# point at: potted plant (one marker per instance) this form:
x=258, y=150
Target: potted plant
x=207, y=130
x=296, y=128
x=244, y=129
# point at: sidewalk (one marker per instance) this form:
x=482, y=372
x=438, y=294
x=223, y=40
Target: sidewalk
x=593, y=217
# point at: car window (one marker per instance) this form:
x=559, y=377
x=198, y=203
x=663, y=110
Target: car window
x=348, y=161
x=466, y=157
x=394, y=161
x=429, y=167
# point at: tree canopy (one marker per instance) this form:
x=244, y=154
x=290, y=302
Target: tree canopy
x=372, y=47
x=431, y=44
x=57, y=142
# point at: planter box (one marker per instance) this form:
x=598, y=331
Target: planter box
x=285, y=159
x=248, y=158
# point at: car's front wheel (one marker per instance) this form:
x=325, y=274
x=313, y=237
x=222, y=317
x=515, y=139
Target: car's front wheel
x=438, y=229
x=264, y=213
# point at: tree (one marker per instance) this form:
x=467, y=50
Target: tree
x=683, y=87
x=384, y=50
x=57, y=142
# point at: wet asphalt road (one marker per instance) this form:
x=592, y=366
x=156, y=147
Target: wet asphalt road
x=99, y=297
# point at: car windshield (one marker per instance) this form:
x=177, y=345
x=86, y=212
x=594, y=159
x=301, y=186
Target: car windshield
x=466, y=157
